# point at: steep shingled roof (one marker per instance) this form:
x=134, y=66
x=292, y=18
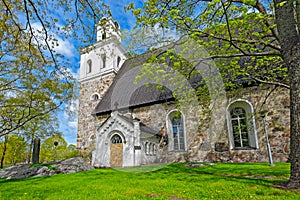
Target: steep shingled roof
x=125, y=94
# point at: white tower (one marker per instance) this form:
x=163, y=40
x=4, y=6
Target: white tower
x=99, y=64
x=104, y=57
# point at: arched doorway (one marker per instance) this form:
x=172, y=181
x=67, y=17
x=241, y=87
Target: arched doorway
x=116, y=151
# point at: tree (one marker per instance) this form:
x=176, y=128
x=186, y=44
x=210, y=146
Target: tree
x=259, y=40
x=72, y=151
x=52, y=151
x=13, y=150
x=35, y=79
x=42, y=128
x=4, y=149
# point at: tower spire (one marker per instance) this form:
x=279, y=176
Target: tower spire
x=106, y=28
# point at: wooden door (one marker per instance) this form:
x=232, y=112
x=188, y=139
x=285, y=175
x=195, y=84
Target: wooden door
x=116, y=152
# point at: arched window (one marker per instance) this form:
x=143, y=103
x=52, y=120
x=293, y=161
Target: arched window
x=104, y=35
x=103, y=56
x=241, y=125
x=116, y=139
x=146, y=148
x=117, y=26
x=154, y=149
x=176, y=131
x=118, y=61
x=91, y=139
x=95, y=97
x=178, y=134
x=89, y=66
x=150, y=149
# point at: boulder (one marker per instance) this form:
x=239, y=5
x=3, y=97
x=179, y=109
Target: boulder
x=67, y=166
x=44, y=171
x=25, y=171
x=72, y=165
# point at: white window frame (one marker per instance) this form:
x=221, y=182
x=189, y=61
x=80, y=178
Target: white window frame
x=92, y=98
x=104, y=61
x=146, y=148
x=252, y=133
x=89, y=64
x=118, y=61
x=169, y=124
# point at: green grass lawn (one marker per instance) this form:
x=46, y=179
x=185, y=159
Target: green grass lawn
x=175, y=181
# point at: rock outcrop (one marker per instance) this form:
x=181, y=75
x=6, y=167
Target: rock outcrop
x=67, y=166
x=73, y=165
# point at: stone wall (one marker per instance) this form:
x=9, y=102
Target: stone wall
x=208, y=140
x=86, y=122
x=275, y=104
x=205, y=144
x=155, y=116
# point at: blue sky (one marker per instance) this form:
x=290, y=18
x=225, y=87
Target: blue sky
x=126, y=20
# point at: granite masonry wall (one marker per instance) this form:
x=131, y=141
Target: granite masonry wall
x=203, y=144
x=86, y=122
x=209, y=141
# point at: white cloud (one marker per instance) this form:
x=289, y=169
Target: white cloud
x=144, y=38
x=73, y=124
x=68, y=126
x=68, y=121
x=76, y=74
x=70, y=110
x=64, y=47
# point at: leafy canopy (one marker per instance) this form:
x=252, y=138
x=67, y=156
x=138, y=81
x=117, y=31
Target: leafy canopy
x=35, y=79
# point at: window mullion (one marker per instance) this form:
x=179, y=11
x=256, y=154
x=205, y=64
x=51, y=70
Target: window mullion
x=240, y=131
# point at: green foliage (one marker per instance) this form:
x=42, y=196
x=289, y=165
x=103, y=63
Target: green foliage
x=15, y=150
x=239, y=37
x=50, y=152
x=175, y=181
x=233, y=36
x=35, y=79
x=40, y=127
x=18, y=150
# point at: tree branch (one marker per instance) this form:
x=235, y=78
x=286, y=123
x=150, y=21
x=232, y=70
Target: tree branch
x=261, y=8
x=271, y=82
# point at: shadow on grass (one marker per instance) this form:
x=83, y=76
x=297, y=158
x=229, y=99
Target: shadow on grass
x=281, y=170
x=252, y=173
x=30, y=179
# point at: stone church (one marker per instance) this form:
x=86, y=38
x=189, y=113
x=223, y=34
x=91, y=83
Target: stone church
x=127, y=124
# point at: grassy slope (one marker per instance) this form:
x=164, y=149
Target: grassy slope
x=220, y=181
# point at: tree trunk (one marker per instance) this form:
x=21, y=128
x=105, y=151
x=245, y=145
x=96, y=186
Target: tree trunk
x=294, y=74
x=290, y=44
x=36, y=151
x=30, y=149
x=4, y=151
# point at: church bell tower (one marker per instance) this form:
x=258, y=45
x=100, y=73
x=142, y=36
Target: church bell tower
x=99, y=63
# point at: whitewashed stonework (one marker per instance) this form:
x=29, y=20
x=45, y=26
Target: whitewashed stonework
x=133, y=140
